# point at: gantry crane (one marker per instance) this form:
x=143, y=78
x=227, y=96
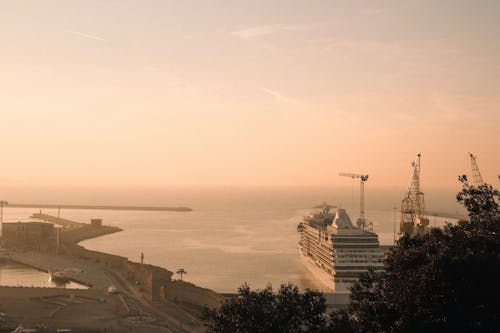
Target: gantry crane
x=477, y=179
x=413, y=215
x=361, y=222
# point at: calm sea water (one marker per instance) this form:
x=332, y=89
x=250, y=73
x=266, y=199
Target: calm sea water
x=232, y=236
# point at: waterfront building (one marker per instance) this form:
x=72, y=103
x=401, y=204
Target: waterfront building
x=35, y=236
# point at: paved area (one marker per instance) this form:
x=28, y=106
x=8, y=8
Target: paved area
x=94, y=308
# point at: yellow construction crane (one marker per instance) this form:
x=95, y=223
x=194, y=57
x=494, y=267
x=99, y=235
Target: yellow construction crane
x=477, y=179
x=413, y=215
x=361, y=222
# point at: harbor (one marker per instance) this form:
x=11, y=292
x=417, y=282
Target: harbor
x=119, y=294
x=98, y=269
x=249, y=166
x=145, y=297
x=14, y=274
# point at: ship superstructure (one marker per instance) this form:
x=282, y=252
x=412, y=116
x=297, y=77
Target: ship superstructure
x=336, y=251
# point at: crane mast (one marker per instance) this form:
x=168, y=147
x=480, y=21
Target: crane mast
x=413, y=214
x=477, y=179
x=361, y=222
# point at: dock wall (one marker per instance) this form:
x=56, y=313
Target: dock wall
x=108, y=260
x=191, y=294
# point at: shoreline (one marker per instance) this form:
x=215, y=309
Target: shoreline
x=455, y=216
x=143, y=289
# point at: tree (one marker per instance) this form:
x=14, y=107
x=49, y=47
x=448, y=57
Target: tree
x=263, y=311
x=444, y=281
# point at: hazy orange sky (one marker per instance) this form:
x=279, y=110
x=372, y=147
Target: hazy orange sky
x=173, y=93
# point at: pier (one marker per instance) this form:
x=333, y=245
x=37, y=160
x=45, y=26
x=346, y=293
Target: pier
x=74, y=232
x=103, y=207
x=57, y=220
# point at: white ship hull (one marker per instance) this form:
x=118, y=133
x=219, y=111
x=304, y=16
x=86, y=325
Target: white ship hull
x=335, y=251
x=319, y=274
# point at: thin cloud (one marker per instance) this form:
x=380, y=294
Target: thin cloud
x=266, y=30
x=81, y=34
x=280, y=97
x=307, y=26
x=345, y=47
x=254, y=32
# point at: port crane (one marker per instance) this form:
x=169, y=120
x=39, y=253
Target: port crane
x=413, y=214
x=361, y=222
x=477, y=179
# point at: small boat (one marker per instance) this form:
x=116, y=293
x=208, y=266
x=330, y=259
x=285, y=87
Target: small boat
x=112, y=290
x=59, y=277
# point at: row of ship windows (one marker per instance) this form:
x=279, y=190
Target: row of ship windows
x=342, y=253
x=350, y=257
x=353, y=261
x=348, y=247
x=353, y=250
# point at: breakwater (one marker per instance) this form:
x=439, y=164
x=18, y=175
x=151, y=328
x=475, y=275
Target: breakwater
x=104, y=207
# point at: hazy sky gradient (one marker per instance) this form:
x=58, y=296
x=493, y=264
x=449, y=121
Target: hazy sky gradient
x=173, y=93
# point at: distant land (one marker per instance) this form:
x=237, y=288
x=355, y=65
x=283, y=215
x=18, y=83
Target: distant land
x=104, y=207
x=456, y=216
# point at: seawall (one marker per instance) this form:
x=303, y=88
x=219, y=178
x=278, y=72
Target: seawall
x=104, y=207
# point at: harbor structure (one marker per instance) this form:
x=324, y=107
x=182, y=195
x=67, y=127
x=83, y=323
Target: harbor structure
x=477, y=179
x=361, y=221
x=413, y=214
x=35, y=236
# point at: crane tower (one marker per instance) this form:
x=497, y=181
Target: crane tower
x=477, y=179
x=361, y=222
x=413, y=215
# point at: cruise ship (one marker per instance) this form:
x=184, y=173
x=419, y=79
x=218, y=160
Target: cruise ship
x=336, y=251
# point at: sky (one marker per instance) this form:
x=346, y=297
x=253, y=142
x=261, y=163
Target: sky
x=247, y=93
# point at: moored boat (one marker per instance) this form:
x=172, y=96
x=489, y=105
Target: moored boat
x=334, y=250
x=59, y=277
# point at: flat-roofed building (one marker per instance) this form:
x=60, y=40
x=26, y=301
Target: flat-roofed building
x=38, y=236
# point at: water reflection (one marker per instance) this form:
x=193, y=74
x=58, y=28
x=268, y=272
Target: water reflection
x=13, y=274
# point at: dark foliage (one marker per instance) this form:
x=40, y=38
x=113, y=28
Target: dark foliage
x=444, y=281
x=263, y=311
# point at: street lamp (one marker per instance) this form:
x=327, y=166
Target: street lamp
x=395, y=208
x=2, y=204
x=180, y=271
